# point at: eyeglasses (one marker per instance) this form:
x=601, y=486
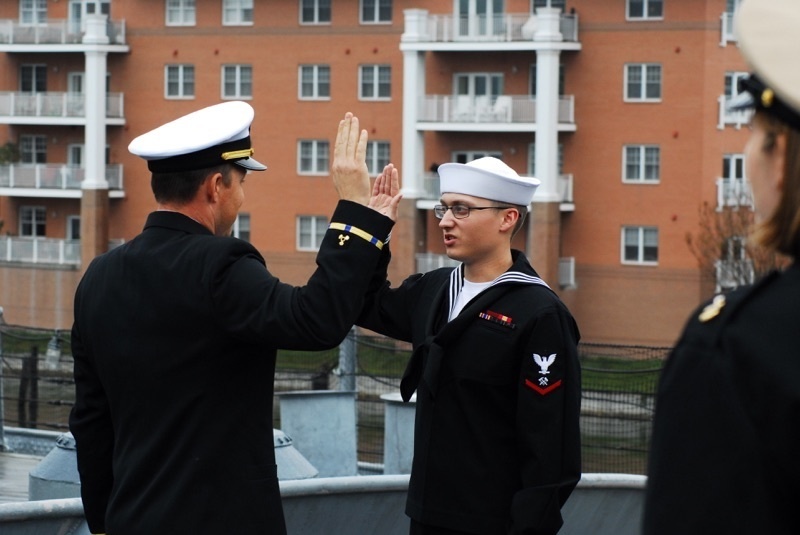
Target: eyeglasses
x=461, y=211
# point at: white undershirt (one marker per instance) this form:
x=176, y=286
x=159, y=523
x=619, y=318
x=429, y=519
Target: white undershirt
x=468, y=291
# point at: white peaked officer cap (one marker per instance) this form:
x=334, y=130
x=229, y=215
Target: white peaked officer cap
x=488, y=178
x=768, y=33
x=205, y=138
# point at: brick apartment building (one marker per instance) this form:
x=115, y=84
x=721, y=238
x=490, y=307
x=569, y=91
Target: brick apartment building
x=617, y=106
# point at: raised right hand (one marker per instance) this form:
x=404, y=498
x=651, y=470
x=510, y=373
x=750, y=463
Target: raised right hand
x=349, y=170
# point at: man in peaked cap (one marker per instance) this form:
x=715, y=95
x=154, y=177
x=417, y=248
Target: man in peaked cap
x=175, y=336
x=724, y=449
x=495, y=366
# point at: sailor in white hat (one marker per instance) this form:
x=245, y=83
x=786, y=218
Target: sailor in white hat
x=495, y=355
x=723, y=455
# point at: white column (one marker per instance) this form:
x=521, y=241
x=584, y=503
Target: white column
x=95, y=102
x=412, y=167
x=547, y=100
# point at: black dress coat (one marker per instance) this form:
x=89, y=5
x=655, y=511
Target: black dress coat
x=726, y=435
x=174, y=340
x=496, y=437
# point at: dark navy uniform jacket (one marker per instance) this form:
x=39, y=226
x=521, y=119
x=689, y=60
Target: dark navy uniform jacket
x=497, y=439
x=725, y=455
x=174, y=340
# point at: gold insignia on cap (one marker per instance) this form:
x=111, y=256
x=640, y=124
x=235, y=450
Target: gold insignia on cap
x=713, y=309
x=767, y=97
x=244, y=153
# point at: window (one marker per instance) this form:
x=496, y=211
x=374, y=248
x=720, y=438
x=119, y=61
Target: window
x=477, y=84
x=732, y=83
x=310, y=231
x=179, y=81
x=642, y=82
x=733, y=167
x=375, y=82
x=645, y=9
x=639, y=245
x=642, y=163
x=548, y=3
x=312, y=157
x=237, y=12
x=532, y=89
x=32, y=149
x=468, y=156
x=377, y=156
x=241, y=227
x=33, y=11
x=237, y=81
x=314, y=82
x=73, y=227
x=33, y=78
x=731, y=6
x=32, y=221
x=180, y=13
x=315, y=11
x=376, y=11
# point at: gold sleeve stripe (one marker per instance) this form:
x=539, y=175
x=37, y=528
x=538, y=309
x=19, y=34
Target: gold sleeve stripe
x=358, y=232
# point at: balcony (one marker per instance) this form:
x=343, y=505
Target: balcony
x=502, y=28
x=17, y=36
x=51, y=108
x=733, y=193
x=430, y=261
x=482, y=114
x=735, y=118
x=430, y=183
x=53, y=180
x=27, y=250
x=730, y=274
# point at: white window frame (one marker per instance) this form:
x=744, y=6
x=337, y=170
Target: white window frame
x=37, y=73
x=185, y=87
x=734, y=163
x=318, y=8
x=641, y=233
x=241, y=227
x=644, y=70
x=642, y=152
x=237, y=12
x=317, y=227
x=320, y=77
x=73, y=222
x=242, y=76
x=381, y=77
x=32, y=12
x=180, y=13
x=378, y=156
x=32, y=148
x=732, y=83
x=645, y=10
x=317, y=153
x=466, y=156
x=372, y=11
x=536, y=4
x=35, y=217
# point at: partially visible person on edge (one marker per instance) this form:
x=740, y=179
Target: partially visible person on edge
x=175, y=336
x=495, y=366
x=726, y=435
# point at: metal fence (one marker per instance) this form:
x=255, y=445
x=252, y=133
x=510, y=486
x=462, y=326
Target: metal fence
x=36, y=390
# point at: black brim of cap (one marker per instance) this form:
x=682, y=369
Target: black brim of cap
x=251, y=164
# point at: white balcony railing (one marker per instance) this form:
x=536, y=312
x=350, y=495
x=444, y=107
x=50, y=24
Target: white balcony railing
x=55, y=104
x=735, y=118
x=734, y=193
x=502, y=27
x=26, y=250
x=53, y=176
x=429, y=261
x=727, y=30
x=503, y=109
x=54, y=32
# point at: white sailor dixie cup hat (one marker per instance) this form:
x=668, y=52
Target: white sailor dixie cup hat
x=205, y=138
x=768, y=33
x=488, y=178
